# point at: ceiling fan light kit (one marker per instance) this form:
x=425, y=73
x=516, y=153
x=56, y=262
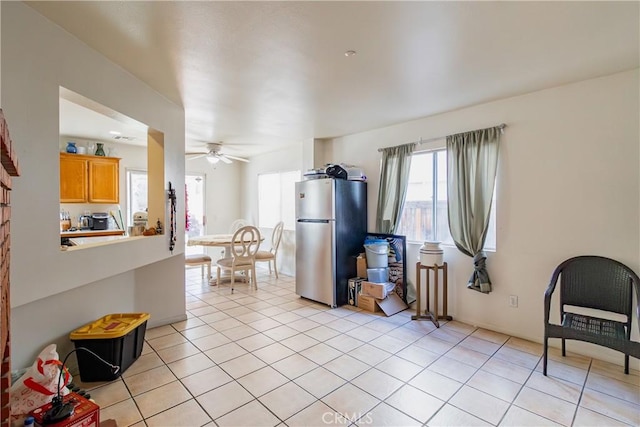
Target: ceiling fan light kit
x=214, y=154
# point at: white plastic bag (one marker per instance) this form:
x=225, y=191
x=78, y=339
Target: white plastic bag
x=39, y=384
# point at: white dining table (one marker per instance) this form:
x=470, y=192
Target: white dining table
x=221, y=241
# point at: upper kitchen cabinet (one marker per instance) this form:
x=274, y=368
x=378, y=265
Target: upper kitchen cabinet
x=89, y=179
x=73, y=178
x=104, y=182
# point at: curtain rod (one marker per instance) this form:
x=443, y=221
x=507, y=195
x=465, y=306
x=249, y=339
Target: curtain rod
x=423, y=141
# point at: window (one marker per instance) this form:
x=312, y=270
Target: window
x=424, y=216
x=137, y=200
x=276, y=199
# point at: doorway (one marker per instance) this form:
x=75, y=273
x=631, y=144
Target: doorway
x=196, y=221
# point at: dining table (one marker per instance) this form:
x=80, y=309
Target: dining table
x=221, y=241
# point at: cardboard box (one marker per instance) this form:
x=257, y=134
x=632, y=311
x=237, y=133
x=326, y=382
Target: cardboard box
x=355, y=286
x=368, y=303
x=391, y=305
x=377, y=290
x=361, y=265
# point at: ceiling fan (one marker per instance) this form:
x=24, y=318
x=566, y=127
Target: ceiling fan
x=214, y=154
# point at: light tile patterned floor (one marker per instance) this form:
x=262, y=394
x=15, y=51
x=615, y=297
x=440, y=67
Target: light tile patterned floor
x=268, y=357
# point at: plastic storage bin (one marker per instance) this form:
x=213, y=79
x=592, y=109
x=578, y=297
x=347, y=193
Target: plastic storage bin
x=377, y=251
x=378, y=275
x=117, y=338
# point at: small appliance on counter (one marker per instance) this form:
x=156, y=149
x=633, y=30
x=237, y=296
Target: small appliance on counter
x=140, y=218
x=100, y=221
x=85, y=222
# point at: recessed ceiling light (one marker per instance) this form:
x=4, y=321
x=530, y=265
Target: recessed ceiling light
x=350, y=53
x=114, y=132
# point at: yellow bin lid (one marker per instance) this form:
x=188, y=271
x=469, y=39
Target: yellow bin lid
x=110, y=326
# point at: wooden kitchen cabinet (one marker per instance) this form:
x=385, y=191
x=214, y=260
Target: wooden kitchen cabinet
x=89, y=179
x=73, y=179
x=104, y=180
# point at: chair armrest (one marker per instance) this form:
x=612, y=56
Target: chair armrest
x=547, y=294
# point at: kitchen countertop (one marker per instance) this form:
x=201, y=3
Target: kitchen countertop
x=91, y=233
x=95, y=239
x=89, y=242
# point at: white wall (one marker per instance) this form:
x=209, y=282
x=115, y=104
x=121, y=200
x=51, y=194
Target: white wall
x=223, y=196
x=38, y=58
x=278, y=161
x=568, y=184
x=223, y=193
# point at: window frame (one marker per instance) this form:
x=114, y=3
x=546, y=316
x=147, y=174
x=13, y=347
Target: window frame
x=434, y=202
x=130, y=210
x=281, y=217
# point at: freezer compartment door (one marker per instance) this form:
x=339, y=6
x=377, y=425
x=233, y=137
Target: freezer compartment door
x=315, y=199
x=315, y=272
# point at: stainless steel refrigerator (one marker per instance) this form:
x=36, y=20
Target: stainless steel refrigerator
x=331, y=224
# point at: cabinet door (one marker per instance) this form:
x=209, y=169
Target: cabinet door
x=73, y=180
x=104, y=181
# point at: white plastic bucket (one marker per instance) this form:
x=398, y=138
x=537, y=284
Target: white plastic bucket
x=377, y=255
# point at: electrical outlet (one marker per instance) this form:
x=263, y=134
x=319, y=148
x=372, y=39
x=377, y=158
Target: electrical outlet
x=513, y=301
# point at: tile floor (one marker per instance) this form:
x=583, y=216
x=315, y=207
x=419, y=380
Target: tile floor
x=267, y=358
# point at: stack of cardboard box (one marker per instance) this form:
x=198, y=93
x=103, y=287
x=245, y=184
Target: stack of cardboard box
x=371, y=296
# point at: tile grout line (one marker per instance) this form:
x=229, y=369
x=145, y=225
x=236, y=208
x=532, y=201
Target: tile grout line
x=370, y=367
x=285, y=299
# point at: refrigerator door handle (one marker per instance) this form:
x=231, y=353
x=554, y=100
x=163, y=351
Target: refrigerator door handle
x=323, y=221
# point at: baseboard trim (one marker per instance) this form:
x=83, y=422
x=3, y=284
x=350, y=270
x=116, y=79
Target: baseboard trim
x=154, y=323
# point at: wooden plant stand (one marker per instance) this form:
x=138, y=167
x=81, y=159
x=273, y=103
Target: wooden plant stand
x=431, y=315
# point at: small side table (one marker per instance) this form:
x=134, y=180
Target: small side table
x=431, y=315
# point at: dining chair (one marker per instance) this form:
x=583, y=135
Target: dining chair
x=271, y=254
x=244, y=246
x=237, y=224
x=199, y=259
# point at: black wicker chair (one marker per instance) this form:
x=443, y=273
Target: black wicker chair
x=596, y=283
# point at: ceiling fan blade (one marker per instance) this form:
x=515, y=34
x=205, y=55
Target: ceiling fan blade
x=224, y=158
x=195, y=155
x=240, y=159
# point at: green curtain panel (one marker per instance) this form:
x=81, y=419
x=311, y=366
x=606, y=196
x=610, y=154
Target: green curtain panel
x=472, y=160
x=394, y=178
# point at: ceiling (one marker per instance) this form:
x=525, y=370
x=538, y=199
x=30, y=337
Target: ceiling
x=83, y=118
x=263, y=75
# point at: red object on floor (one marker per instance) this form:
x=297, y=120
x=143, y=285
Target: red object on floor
x=85, y=413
